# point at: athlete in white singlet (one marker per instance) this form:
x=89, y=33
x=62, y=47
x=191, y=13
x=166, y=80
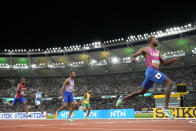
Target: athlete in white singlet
x=67, y=94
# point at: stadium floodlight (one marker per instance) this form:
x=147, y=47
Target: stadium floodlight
x=93, y=61
x=114, y=60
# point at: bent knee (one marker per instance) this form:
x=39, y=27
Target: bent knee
x=170, y=83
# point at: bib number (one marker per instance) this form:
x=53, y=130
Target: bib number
x=155, y=63
x=158, y=76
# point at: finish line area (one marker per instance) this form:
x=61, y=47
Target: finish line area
x=98, y=125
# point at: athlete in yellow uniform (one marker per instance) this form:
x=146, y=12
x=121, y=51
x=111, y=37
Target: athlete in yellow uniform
x=85, y=102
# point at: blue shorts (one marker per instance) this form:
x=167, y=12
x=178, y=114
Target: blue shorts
x=152, y=76
x=37, y=101
x=20, y=99
x=68, y=97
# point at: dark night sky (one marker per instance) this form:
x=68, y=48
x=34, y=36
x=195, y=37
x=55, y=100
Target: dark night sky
x=41, y=25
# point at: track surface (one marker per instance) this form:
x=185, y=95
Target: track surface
x=98, y=125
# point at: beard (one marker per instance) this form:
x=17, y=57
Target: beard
x=155, y=44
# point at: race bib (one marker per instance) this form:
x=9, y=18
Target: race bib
x=155, y=63
x=158, y=76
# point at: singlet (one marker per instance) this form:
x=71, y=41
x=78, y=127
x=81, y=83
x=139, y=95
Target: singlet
x=38, y=95
x=152, y=58
x=20, y=93
x=87, y=98
x=69, y=88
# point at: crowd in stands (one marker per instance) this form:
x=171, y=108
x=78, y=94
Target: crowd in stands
x=105, y=84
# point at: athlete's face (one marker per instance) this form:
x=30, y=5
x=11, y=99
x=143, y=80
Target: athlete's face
x=89, y=91
x=73, y=75
x=23, y=81
x=155, y=41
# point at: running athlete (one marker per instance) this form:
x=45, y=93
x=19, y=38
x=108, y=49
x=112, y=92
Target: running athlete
x=85, y=102
x=19, y=97
x=38, y=98
x=68, y=98
x=153, y=60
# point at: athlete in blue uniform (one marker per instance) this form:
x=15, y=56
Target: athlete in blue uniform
x=67, y=94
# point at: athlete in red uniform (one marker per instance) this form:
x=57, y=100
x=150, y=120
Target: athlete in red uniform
x=19, y=97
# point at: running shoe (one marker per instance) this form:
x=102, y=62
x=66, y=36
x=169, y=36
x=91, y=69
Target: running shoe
x=69, y=120
x=119, y=101
x=168, y=113
x=28, y=115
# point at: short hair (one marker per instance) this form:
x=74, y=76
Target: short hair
x=150, y=38
x=89, y=89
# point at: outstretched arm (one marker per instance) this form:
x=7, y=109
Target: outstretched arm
x=141, y=51
x=66, y=82
x=83, y=97
x=166, y=63
x=34, y=91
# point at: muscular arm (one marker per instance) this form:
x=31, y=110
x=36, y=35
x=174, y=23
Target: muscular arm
x=166, y=63
x=66, y=82
x=34, y=91
x=141, y=51
x=84, y=97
